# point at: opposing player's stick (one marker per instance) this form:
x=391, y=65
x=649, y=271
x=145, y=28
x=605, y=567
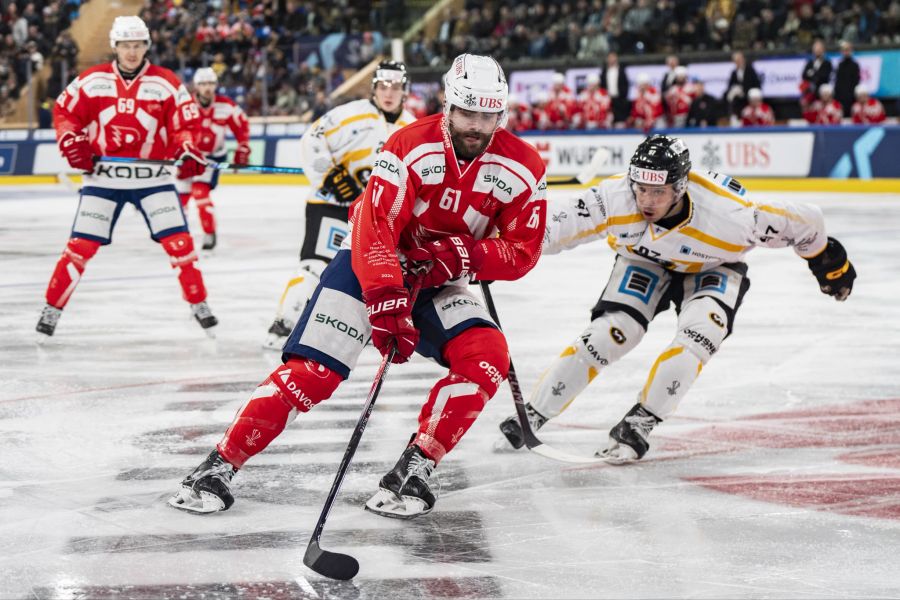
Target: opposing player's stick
x=218, y=166
x=531, y=440
x=590, y=170
x=325, y=562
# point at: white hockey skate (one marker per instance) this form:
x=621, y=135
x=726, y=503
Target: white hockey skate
x=208, y=488
x=404, y=492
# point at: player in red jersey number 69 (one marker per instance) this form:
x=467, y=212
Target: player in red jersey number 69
x=128, y=108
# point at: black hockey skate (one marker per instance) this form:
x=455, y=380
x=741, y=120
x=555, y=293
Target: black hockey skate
x=205, y=317
x=278, y=333
x=208, y=488
x=404, y=492
x=49, y=318
x=513, y=430
x=628, y=439
x=209, y=241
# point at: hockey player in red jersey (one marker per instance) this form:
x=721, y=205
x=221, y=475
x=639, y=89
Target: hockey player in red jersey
x=757, y=113
x=127, y=108
x=593, y=106
x=866, y=110
x=454, y=193
x=217, y=113
x=647, y=108
x=826, y=110
x=679, y=97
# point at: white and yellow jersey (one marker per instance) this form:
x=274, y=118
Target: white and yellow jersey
x=722, y=224
x=351, y=135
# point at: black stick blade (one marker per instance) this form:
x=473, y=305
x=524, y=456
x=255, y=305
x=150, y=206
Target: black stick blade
x=333, y=565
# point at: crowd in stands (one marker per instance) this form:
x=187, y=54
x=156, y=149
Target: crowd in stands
x=31, y=32
x=259, y=50
x=677, y=101
x=523, y=30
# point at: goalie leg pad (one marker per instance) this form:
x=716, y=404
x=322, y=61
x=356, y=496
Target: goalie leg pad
x=297, y=386
x=68, y=270
x=180, y=248
x=608, y=338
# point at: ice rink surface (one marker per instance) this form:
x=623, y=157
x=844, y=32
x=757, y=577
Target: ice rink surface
x=778, y=477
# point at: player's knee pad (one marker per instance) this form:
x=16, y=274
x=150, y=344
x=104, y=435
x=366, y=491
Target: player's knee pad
x=480, y=355
x=702, y=327
x=608, y=338
x=79, y=250
x=312, y=266
x=303, y=382
x=180, y=248
x=200, y=192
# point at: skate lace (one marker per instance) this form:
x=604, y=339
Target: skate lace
x=421, y=467
x=219, y=469
x=50, y=315
x=535, y=419
x=641, y=425
x=201, y=310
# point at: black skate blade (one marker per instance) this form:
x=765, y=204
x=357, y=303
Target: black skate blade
x=333, y=565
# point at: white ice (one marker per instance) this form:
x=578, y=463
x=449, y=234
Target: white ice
x=779, y=476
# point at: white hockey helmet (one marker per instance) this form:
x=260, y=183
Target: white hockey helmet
x=592, y=79
x=825, y=90
x=860, y=90
x=754, y=94
x=205, y=75
x=475, y=83
x=128, y=29
x=643, y=79
x=681, y=71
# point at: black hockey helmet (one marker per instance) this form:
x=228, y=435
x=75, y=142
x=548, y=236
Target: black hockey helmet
x=391, y=71
x=659, y=160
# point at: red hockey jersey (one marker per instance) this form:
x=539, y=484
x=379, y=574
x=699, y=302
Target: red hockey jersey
x=419, y=192
x=147, y=117
x=869, y=113
x=756, y=116
x=222, y=112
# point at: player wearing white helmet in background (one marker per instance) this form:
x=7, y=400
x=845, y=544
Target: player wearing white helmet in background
x=217, y=113
x=128, y=108
x=452, y=196
x=866, y=110
x=680, y=237
x=338, y=152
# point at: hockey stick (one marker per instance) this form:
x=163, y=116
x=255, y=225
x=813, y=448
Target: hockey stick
x=531, y=440
x=336, y=565
x=218, y=166
x=590, y=170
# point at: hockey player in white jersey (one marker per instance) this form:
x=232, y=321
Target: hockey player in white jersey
x=337, y=154
x=680, y=237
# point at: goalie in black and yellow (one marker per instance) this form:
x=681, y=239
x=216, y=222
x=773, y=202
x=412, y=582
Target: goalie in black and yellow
x=338, y=153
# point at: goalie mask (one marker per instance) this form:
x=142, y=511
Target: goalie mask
x=661, y=160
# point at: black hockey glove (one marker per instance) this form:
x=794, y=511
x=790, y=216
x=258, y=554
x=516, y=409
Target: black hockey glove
x=341, y=185
x=833, y=270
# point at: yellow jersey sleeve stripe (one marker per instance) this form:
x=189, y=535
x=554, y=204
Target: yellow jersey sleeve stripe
x=583, y=234
x=717, y=190
x=712, y=241
x=625, y=219
x=778, y=211
x=349, y=120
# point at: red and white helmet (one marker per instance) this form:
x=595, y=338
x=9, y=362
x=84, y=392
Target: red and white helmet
x=128, y=29
x=475, y=83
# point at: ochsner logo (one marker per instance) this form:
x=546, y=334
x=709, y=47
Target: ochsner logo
x=648, y=176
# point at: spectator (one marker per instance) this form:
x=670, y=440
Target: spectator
x=704, y=110
x=757, y=113
x=647, y=109
x=593, y=43
x=817, y=71
x=766, y=30
x=866, y=110
x=679, y=98
x=669, y=78
x=847, y=78
x=615, y=82
x=826, y=110
x=743, y=78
